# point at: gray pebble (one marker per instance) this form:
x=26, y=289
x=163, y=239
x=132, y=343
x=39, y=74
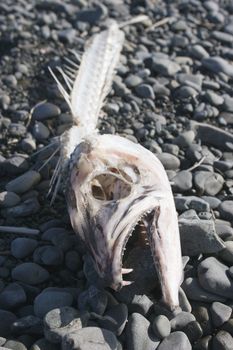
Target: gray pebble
x=169, y=161
x=183, y=300
x=182, y=182
x=213, y=201
x=43, y=344
x=28, y=144
x=186, y=92
x=14, y=345
x=199, y=236
x=51, y=299
x=220, y=313
x=227, y=254
x=22, y=247
x=203, y=343
x=198, y=51
x=117, y=313
x=175, y=341
x=30, y=273
x=17, y=129
x=165, y=66
x=94, y=299
x=145, y=91
x=28, y=207
x=28, y=324
x=228, y=103
x=161, y=326
x=213, y=277
x=228, y=326
x=24, y=182
x=6, y=320
x=12, y=296
x=181, y=320
x=9, y=199
x=194, y=291
x=222, y=341
x=226, y=210
x=40, y=131
x=218, y=65
x=193, y=331
x=90, y=337
x=213, y=98
x=73, y=260
x=61, y=321
x=208, y=182
x=140, y=304
x=137, y=334
x=133, y=80
x=16, y=165
x=191, y=202
x=225, y=38
x=67, y=35
x=48, y=255
x=185, y=139
x=45, y=110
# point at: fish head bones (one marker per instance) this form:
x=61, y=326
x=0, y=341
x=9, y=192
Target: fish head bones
x=113, y=184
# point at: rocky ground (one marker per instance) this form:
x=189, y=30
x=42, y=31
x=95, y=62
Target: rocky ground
x=172, y=93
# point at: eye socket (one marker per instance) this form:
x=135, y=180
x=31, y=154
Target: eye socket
x=109, y=187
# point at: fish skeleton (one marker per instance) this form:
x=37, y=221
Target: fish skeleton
x=112, y=183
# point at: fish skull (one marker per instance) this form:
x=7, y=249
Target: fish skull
x=114, y=183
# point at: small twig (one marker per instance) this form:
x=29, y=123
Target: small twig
x=134, y=20
x=159, y=23
x=197, y=164
x=31, y=112
x=19, y=230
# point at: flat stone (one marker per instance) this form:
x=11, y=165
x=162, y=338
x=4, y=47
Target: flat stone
x=182, y=182
x=191, y=202
x=175, y=341
x=213, y=201
x=222, y=341
x=15, y=165
x=9, y=199
x=140, y=304
x=213, y=98
x=30, y=273
x=45, y=110
x=28, y=207
x=12, y=296
x=165, y=66
x=194, y=291
x=226, y=210
x=138, y=336
x=192, y=80
x=62, y=321
x=145, y=91
x=198, y=51
x=169, y=161
x=181, y=320
x=161, y=326
x=199, y=237
x=49, y=300
x=208, y=182
x=220, y=313
x=90, y=338
x=213, y=277
x=24, y=182
x=7, y=318
x=217, y=64
x=22, y=247
x=14, y=345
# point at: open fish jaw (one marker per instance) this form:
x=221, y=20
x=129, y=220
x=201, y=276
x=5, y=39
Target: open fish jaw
x=113, y=184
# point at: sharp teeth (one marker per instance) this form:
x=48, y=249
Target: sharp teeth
x=127, y=283
x=124, y=271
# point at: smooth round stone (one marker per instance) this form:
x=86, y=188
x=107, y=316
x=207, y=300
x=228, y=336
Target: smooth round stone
x=28, y=324
x=30, y=273
x=213, y=98
x=161, y=326
x=222, y=341
x=226, y=210
x=175, y=341
x=140, y=304
x=48, y=255
x=93, y=298
x=28, y=144
x=191, y=202
x=9, y=199
x=133, y=80
x=24, y=182
x=43, y=344
x=16, y=165
x=22, y=247
x=12, y=296
x=193, y=331
x=185, y=139
x=165, y=66
x=90, y=338
x=183, y=300
x=186, y=92
x=208, y=182
x=45, y=111
x=29, y=207
x=218, y=64
x=169, y=161
x=40, y=131
x=119, y=315
x=49, y=300
x=62, y=321
x=198, y=51
x=138, y=336
x=14, y=345
x=203, y=343
x=213, y=277
x=182, y=181
x=7, y=318
x=228, y=102
x=194, y=291
x=228, y=326
x=145, y=91
x=227, y=253
x=181, y=320
x=213, y=201
x=67, y=35
x=220, y=313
